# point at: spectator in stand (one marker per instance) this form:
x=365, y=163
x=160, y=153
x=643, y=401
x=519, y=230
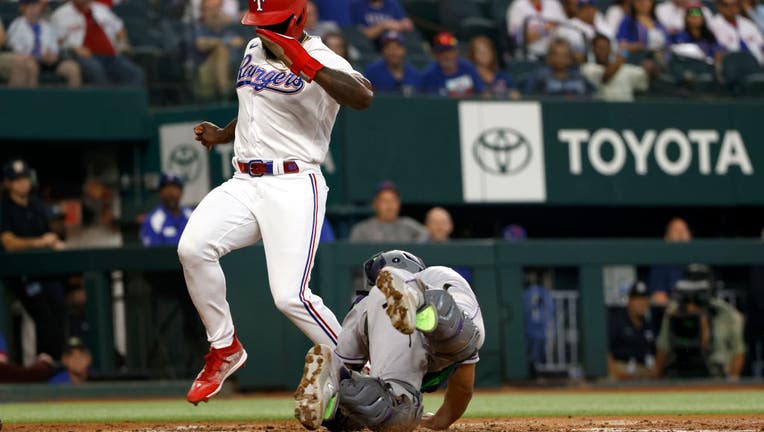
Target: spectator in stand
x=570, y=7
x=613, y=78
x=580, y=30
x=697, y=33
x=734, y=32
x=378, y=16
x=336, y=11
x=18, y=70
x=76, y=361
x=439, y=228
x=631, y=341
x=560, y=76
x=616, y=12
x=165, y=224
x=25, y=226
x=450, y=75
x=541, y=18
x=662, y=278
x=314, y=25
x=391, y=73
x=671, y=14
x=640, y=30
x=39, y=371
x=439, y=225
x=31, y=36
x=387, y=225
x=216, y=44
x=96, y=37
x=754, y=10
x=482, y=53
x=337, y=43
x=229, y=10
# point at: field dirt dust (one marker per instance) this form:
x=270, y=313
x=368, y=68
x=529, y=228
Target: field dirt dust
x=662, y=423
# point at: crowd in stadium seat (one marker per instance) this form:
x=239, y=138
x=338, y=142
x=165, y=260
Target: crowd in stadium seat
x=188, y=50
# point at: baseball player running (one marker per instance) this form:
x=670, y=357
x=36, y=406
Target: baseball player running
x=290, y=87
x=419, y=328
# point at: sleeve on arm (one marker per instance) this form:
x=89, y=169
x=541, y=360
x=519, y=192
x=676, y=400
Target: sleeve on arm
x=333, y=61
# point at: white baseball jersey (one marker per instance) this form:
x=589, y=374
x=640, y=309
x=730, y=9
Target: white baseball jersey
x=281, y=116
x=70, y=24
x=729, y=36
x=21, y=37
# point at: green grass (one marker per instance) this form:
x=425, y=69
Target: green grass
x=516, y=404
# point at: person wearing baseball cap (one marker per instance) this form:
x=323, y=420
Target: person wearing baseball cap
x=76, y=361
x=450, y=74
x=631, y=341
x=387, y=225
x=391, y=73
x=25, y=225
x=165, y=224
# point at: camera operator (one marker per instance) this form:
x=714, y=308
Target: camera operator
x=700, y=336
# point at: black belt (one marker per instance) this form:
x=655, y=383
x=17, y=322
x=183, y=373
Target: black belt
x=259, y=168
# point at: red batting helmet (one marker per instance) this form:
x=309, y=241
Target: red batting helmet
x=270, y=12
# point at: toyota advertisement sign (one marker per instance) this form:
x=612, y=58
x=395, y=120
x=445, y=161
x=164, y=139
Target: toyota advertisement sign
x=502, y=152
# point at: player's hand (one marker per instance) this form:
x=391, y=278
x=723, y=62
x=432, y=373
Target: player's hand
x=209, y=135
x=275, y=48
x=432, y=422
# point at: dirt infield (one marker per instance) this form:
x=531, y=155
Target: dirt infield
x=672, y=423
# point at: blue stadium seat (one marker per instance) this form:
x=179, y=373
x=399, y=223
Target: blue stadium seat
x=737, y=67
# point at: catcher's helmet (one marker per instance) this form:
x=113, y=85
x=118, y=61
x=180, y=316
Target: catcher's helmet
x=394, y=258
x=265, y=13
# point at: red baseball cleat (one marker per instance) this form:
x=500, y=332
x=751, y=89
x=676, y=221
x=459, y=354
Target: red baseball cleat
x=219, y=365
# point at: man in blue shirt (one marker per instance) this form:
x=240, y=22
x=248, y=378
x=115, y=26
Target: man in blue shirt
x=165, y=224
x=378, y=16
x=391, y=74
x=560, y=76
x=450, y=74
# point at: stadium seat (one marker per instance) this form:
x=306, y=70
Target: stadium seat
x=358, y=40
x=452, y=12
x=736, y=66
x=520, y=70
x=693, y=74
x=476, y=26
x=753, y=85
x=414, y=43
x=426, y=16
x=8, y=12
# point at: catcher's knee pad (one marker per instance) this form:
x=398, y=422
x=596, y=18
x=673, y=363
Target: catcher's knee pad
x=455, y=336
x=370, y=402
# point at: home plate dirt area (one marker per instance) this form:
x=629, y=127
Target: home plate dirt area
x=662, y=423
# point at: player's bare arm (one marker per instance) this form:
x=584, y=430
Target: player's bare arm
x=346, y=89
x=458, y=396
x=210, y=135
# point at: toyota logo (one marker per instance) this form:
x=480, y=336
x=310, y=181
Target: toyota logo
x=502, y=151
x=186, y=161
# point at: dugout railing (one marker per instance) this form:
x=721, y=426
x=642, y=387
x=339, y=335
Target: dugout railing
x=277, y=347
